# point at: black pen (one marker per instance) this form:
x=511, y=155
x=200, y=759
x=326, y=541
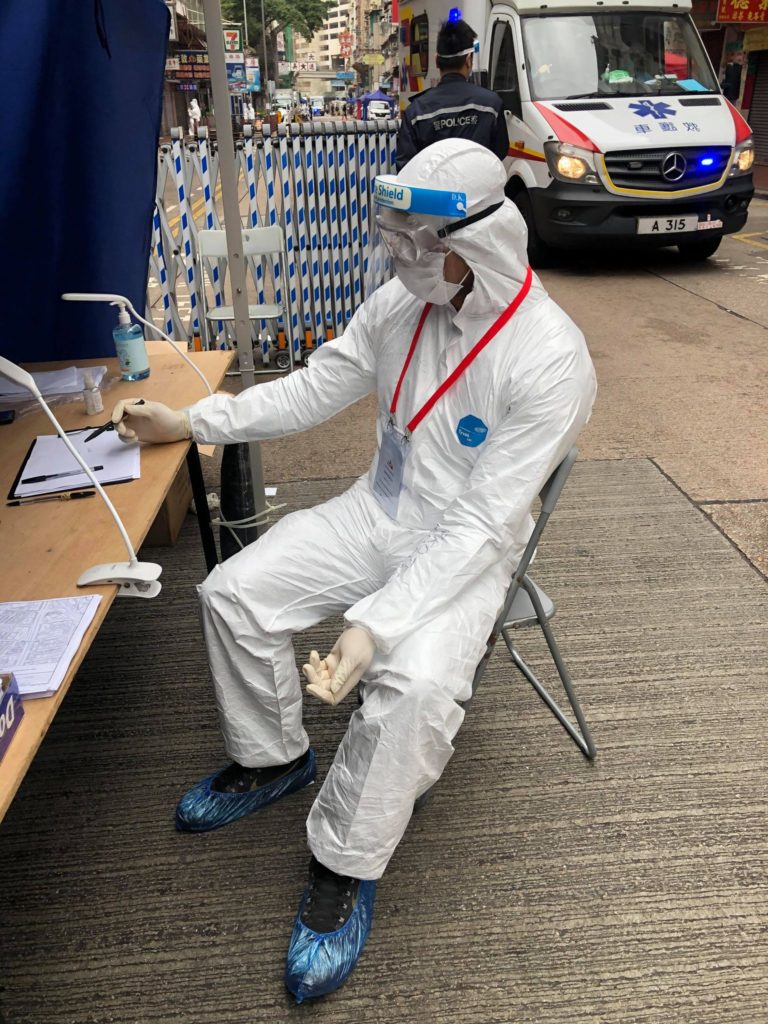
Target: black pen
x=68, y=496
x=109, y=425
x=57, y=476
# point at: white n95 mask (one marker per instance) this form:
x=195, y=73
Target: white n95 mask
x=425, y=279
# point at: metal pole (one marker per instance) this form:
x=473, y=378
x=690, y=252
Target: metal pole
x=245, y=23
x=264, y=41
x=236, y=262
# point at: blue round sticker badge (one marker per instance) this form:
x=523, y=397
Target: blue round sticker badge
x=471, y=431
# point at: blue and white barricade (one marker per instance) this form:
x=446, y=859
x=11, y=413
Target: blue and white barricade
x=314, y=180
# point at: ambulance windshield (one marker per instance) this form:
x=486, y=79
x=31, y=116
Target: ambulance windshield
x=577, y=56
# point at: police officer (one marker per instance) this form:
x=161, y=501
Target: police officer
x=455, y=106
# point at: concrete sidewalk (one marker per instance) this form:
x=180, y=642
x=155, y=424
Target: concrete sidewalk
x=535, y=888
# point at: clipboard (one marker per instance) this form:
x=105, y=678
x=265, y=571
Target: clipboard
x=47, y=454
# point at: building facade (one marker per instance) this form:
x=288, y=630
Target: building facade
x=735, y=33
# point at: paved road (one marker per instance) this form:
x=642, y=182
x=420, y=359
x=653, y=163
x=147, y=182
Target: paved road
x=681, y=353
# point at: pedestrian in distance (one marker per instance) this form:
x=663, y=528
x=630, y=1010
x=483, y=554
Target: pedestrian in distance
x=193, y=116
x=455, y=107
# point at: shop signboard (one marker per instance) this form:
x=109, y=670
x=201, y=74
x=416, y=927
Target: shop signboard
x=751, y=12
x=346, y=40
x=232, y=40
x=755, y=39
x=193, y=66
x=252, y=74
x=235, y=71
x=286, y=67
x=173, y=28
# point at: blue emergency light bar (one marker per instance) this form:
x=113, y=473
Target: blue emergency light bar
x=454, y=14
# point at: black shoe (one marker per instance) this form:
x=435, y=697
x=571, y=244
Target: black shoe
x=236, y=791
x=329, y=933
x=329, y=899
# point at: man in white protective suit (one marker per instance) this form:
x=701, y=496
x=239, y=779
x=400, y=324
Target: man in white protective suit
x=483, y=385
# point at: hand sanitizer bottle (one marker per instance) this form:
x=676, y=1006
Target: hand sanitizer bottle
x=131, y=350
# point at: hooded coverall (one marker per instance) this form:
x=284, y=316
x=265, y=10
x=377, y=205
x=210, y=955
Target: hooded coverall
x=429, y=585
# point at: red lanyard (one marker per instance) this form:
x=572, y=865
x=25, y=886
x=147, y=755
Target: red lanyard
x=489, y=335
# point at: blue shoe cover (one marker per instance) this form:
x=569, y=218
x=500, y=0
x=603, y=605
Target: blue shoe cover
x=320, y=962
x=202, y=809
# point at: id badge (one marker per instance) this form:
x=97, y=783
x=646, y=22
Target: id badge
x=388, y=481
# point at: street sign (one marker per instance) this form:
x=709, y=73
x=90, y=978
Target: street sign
x=345, y=76
x=231, y=40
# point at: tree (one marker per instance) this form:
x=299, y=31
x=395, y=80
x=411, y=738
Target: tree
x=306, y=16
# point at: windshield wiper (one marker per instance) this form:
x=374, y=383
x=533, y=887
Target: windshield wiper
x=588, y=96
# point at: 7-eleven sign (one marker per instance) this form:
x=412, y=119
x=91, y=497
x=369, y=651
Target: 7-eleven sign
x=232, y=40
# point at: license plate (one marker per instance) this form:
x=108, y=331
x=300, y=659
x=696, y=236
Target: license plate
x=666, y=225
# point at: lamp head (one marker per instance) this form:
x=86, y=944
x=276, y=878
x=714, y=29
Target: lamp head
x=95, y=297
x=18, y=376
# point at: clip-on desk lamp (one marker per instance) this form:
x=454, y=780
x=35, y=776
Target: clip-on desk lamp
x=134, y=578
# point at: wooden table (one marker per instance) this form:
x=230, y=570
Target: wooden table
x=44, y=548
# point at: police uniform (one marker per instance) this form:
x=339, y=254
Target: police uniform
x=454, y=108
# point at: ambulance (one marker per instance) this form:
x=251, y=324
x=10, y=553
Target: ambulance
x=618, y=130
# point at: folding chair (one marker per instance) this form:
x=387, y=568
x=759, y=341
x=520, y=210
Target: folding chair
x=527, y=605
x=257, y=242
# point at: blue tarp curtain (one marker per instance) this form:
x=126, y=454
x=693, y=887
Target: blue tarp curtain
x=82, y=85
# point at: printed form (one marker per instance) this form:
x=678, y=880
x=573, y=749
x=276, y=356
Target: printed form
x=38, y=640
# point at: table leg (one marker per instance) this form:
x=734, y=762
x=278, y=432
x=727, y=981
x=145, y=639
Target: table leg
x=201, y=505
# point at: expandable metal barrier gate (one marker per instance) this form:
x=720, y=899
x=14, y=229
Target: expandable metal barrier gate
x=315, y=181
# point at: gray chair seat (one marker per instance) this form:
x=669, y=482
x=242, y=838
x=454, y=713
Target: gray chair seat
x=522, y=613
x=264, y=312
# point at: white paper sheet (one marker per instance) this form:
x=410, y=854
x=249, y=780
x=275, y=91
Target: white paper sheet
x=49, y=456
x=38, y=640
x=55, y=382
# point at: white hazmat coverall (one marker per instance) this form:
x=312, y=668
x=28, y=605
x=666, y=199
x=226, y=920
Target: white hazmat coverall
x=428, y=586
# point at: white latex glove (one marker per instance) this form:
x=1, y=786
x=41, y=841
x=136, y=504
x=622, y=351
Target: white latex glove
x=331, y=678
x=149, y=421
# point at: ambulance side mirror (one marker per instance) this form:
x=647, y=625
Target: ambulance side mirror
x=510, y=99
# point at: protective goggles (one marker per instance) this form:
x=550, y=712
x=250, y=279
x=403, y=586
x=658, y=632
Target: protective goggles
x=407, y=238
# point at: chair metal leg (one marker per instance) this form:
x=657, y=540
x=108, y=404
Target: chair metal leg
x=583, y=738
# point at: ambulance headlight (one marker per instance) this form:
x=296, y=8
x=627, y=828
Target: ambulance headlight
x=571, y=164
x=744, y=157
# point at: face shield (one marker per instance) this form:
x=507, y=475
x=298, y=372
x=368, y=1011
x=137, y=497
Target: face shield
x=413, y=228
x=407, y=221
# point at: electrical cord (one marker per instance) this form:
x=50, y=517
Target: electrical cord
x=258, y=519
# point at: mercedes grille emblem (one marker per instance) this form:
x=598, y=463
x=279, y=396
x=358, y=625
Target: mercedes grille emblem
x=673, y=166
